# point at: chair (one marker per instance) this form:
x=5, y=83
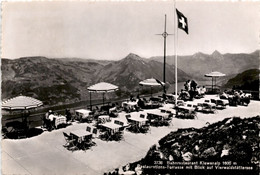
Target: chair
x=95, y=131
x=220, y=104
x=206, y=101
x=213, y=101
x=142, y=116
x=70, y=142
x=168, y=112
x=88, y=129
x=145, y=128
x=127, y=116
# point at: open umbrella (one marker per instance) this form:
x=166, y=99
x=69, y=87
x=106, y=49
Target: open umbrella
x=21, y=103
x=214, y=76
x=102, y=87
x=151, y=82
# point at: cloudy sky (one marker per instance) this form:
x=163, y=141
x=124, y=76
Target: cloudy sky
x=112, y=30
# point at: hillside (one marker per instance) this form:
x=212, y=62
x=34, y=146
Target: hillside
x=57, y=81
x=49, y=80
x=247, y=80
x=128, y=72
x=199, y=63
x=226, y=145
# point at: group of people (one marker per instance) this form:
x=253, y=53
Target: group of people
x=236, y=97
x=191, y=90
x=49, y=119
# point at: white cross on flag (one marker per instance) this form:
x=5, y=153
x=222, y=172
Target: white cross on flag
x=182, y=21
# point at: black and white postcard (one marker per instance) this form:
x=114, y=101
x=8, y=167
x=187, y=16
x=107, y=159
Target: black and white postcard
x=130, y=87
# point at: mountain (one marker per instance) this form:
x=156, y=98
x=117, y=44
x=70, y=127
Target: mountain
x=57, y=81
x=128, y=72
x=199, y=63
x=50, y=80
x=247, y=80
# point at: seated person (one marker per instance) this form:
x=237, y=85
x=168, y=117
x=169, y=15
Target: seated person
x=184, y=95
x=47, y=120
x=141, y=103
x=68, y=114
x=132, y=99
x=224, y=95
x=145, y=100
x=203, y=90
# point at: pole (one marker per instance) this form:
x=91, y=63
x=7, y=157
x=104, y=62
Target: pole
x=175, y=53
x=164, y=58
x=212, y=84
x=90, y=101
x=164, y=34
x=103, y=98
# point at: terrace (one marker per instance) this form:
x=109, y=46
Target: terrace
x=19, y=155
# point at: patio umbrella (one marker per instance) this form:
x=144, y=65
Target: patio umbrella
x=151, y=82
x=102, y=87
x=21, y=103
x=214, y=75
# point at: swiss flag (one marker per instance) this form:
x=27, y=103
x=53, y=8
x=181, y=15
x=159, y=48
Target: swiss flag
x=182, y=21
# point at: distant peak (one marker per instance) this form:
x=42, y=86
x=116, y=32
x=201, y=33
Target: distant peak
x=132, y=56
x=216, y=53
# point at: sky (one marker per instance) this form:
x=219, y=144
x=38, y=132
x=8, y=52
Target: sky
x=112, y=30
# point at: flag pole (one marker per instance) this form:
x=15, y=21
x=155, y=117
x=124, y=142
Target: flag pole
x=175, y=53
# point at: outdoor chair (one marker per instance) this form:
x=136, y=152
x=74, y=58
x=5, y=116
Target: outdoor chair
x=163, y=111
x=168, y=112
x=127, y=116
x=142, y=116
x=145, y=128
x=70, y=142
x=19, y=129
x=4, y=132
x=220, y=104
x=95, y=132
x=44, y=122
x=118, y=136
x=213, y=101
x=88, y=129
x=86, y=144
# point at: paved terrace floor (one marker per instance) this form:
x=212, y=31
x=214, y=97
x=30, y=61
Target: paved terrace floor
x=44, y=154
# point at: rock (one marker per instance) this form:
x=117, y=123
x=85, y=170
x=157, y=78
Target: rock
x=138, y=169
x=170, y=158
x=225, y=152
x=210, y=152
x=197, y=148
x=187, y=156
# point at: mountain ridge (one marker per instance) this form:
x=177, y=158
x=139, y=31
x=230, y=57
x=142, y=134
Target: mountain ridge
x=200, y=63
x=57, y=81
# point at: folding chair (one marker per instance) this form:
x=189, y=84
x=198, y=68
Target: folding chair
x=163, y=111
x=70, y=142
x=127, y=116
x=145, y=128
x=213, y=101
x=95, y=132
x=88, y=129
x=142, y=116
